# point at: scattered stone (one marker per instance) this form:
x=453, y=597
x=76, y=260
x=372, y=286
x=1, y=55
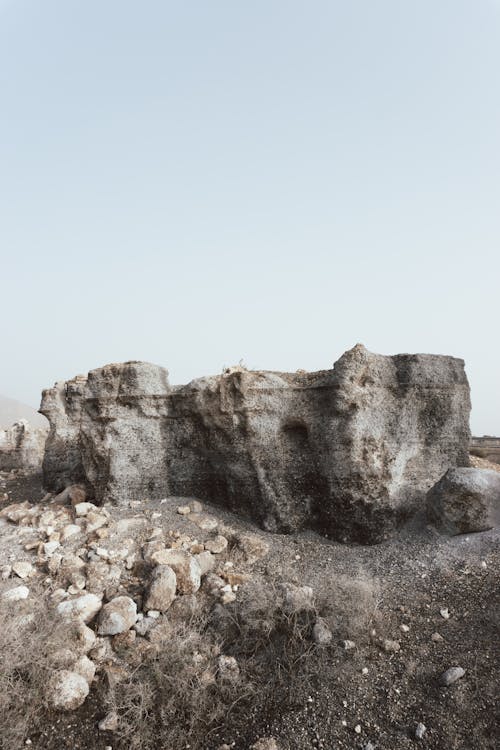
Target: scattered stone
x=451, y=675
x=437, y=637
x=23, y=569
x=253, y=547
x=16, y=594
x=84, y=608
x=85, y=667
x=5, y=572
x=143, y=626
x=95, y=521
x=82, y=509
x=357, y=728
x=405, y=628
x=420, y=730
x=206, y=561
x=117, y=616
x=444, y=613
x=391, y=646
x=50, y=547
x=109, y=723
x=67, y=690
x=196, y=506
x=204, y=522
x=162, y=589
x=228, y=596
x=265, y=743
x=322, y=635
x=185, y=566
x=69, y=531
x=81, y=637
x=216, y=545
x=183, y=510
x=348, y=645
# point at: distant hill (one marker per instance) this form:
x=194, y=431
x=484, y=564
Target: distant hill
x=11, y=411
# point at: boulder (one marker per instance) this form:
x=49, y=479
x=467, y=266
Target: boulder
x=465, y=500
x=186, y=568
x=162, y=587
x=83, y=608
x=117, y=616
x=67, y=690
x=350, y=451
x=17, y=594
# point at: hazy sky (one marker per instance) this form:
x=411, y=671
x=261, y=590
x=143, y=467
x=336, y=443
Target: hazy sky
x=198, y=182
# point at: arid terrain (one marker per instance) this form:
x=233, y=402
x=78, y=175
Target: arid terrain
x=399, y=614
x=255, y=560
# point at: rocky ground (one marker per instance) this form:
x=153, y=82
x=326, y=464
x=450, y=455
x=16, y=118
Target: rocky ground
x=293, y=640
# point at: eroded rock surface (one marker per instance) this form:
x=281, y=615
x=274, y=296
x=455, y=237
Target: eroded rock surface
x=22, y=446
x=350, y=451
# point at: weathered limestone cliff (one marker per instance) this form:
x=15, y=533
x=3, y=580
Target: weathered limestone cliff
x=22, y=446
x=350, y=451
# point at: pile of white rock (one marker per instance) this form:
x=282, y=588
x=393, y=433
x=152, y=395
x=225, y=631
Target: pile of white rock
x=110, y=582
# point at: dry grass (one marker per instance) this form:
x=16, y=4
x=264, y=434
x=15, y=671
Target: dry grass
x=176, y=694
x=29, y=636
x=176, y=697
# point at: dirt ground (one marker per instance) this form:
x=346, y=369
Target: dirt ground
x=370, y=696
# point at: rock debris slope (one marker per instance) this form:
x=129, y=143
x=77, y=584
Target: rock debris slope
x=350, y=451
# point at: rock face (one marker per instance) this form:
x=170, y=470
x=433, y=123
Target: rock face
x=465, y=500
x=62, y=462
x=22, y=446
x=350, y=451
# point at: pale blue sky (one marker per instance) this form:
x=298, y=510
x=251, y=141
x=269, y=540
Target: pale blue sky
x=198, y=182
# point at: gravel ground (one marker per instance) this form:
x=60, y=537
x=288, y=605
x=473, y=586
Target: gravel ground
x=422, y=584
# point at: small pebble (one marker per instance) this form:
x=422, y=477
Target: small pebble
x=451, y=675
x=357, y=728
x=444, y=613
x=437, y=637
x=348, y=645
x=391, y=646
x=420, y=730
x=405, y=628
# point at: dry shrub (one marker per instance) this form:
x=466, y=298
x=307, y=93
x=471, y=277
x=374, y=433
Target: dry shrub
x=176, y=695
x=29, y=636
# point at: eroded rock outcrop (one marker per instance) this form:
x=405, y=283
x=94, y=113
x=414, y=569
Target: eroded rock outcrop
x=350, y=450
x=22, y=446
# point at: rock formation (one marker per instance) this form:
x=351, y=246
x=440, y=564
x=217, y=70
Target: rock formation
x=22, y=446
x=350, y=451
x=465, y=500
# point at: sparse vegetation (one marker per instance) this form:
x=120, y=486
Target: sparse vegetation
x=29, y=637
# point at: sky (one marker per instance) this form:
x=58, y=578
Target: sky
x=197, y=183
